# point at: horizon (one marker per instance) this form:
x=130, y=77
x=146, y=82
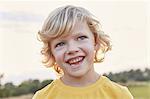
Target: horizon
x=53, y=76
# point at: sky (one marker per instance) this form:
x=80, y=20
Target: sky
x=125, y=22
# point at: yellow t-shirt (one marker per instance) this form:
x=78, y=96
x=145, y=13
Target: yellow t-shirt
x=101, y=89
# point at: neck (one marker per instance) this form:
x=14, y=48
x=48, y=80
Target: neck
x=82, y=81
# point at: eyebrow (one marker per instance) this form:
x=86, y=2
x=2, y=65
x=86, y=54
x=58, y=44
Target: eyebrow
x=62, y=38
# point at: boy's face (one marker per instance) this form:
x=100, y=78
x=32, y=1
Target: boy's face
x=74, y=53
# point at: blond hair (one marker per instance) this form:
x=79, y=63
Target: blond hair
x=60, y=22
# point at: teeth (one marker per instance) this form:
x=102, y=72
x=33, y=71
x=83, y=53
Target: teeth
x=72, y=61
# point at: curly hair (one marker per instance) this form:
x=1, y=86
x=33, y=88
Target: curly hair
x=60, y=22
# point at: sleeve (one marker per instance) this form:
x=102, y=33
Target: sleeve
x=127, y=94
x=36, y=95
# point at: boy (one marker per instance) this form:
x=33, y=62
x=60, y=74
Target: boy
x=72, y=39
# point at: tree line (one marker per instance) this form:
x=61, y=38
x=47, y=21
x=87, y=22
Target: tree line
x=26, y=87
x=31, y=86
x=130, y=76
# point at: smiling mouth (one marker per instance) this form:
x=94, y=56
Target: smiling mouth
x=75, y=62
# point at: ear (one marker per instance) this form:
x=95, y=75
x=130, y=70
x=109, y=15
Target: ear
x=51, y=61
x=52, y=58
x=96, y=46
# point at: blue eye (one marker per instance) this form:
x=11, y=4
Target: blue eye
x=82, y=37
x=59, y=44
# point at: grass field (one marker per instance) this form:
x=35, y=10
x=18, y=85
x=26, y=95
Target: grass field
x=29, y=96
x=139, y=91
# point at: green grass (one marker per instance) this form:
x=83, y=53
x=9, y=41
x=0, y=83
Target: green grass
x=140, y=91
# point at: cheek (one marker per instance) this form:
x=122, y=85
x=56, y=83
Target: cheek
x=89, y=47
x=58, y=54
x=89, y=50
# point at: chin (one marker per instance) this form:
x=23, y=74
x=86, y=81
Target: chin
x=78, y=74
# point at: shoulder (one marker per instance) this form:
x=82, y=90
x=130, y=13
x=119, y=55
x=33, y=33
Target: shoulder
x=44, y=91
x=116, y=89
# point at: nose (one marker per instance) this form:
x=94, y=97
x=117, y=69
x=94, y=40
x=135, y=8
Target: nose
x=72, y=48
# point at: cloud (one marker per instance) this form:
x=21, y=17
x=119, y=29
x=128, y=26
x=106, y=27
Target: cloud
x=19, y=16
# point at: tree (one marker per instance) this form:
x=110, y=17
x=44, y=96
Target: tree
x=29, y=86
x=9, y=89
x=1, y=76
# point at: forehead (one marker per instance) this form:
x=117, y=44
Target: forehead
x=79, y=28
